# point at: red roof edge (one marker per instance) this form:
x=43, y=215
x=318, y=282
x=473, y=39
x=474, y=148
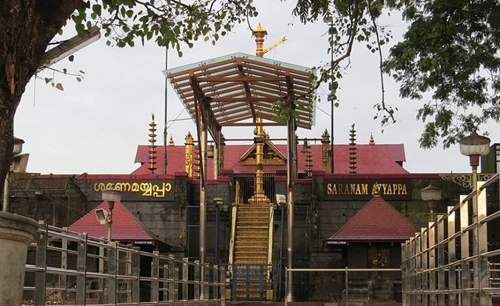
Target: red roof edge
x=364, y=225
x=181, y=174
x=318, y=173
x=382, y=176
x=87, y=176
x=303, y=181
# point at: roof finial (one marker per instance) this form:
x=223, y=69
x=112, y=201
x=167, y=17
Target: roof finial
x=352, y=151
x=376, y=190
x=152, y=146
x=259, y=33
x=372, y=141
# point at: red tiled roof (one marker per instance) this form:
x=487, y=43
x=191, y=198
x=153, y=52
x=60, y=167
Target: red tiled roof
x=371, y=159
x=376, y=221
x=125, y=226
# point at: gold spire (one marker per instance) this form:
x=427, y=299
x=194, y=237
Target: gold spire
x=325, y=149
x=259, y=33
x=188, y=154
x=352, y=151
x=306, y=149
x=152, y=146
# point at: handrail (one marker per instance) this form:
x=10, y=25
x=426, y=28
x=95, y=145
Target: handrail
x=449, y=260
x=345, y=271
x=111, y=272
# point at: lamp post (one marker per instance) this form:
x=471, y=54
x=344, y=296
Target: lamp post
x=16, y=150
x=432, y=195
x=111, y=195
x=331, y=96
x=218, y=203
x=475, y=146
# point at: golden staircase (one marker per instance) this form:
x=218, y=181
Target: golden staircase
x=250, y=253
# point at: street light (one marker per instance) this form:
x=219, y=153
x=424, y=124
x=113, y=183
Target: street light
x=18, y=146
x=432, y=195
x=219, y=203
x=110, y=195
x=16, y=150
x=328, y=19
x=475, y=146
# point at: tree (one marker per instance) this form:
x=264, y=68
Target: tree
x=27, y=27
x=452, y=51
x=451, y=48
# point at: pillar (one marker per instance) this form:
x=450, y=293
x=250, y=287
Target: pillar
x=16, y=233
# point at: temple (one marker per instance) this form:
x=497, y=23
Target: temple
x=255, y=204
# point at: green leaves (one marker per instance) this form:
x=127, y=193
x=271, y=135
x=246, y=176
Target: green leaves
x=168, y=23
x=451, y=52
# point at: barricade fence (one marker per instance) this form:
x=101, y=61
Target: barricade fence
x=349, y=286
x=454, y=261
x=67, y=268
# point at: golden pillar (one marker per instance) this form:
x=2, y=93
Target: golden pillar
x=152, y=145
x=259, y=33
x=325, y=151
x=188, y=154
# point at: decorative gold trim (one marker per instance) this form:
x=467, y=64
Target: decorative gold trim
x=325, y=148
x=464, y=179
x=483, y=177
x=188, y=154
x=253, y=162
x=271, y=155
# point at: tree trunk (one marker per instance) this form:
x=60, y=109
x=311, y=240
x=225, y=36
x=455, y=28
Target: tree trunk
x=26, y=29
x=7, y=136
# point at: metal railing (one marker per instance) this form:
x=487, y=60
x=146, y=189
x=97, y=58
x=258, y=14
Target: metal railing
x=254, y=281
x=453, y=261
x=67, y=268
x=350, y=292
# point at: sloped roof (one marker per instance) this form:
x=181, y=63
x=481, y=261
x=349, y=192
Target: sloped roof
x=376, y=221
x=239, y=88
x=125, y=226
x=371, y=159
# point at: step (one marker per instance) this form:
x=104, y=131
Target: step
x=253, y=237
x=242, y=246
x=252, y=220
x=249, y=252
x=249, y=260
x=252, y=227
x=252, y=217
x=251, y=255
x=251, y=244
x=256, y=211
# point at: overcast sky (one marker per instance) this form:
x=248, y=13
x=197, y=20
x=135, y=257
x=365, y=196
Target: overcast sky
x=95, y=126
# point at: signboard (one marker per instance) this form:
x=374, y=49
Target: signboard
x=134, y=190
x=364, y=189
x=336, y=242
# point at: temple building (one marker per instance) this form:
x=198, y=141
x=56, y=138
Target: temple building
x=257, y=204
x=340, y=219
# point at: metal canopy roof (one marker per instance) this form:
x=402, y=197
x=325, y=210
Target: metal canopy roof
x=237, y=89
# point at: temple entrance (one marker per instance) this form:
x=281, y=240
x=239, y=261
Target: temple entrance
x=380, y=258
